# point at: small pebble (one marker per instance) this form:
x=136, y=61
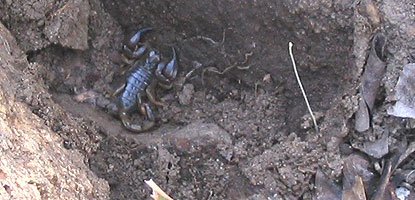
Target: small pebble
x=67, y=144
x=186, y=95
x=40, y=23
x=102, y=102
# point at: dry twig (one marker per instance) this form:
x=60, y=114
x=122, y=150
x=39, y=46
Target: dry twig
x=158, y=193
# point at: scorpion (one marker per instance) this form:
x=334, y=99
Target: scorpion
x=142, y=80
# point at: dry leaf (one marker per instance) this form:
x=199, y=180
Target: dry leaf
x=372, y=76
x=357, y=192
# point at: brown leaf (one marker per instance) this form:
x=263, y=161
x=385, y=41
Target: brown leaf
x=357, y=192
x=357, y=165
x=325, y=188
x=372, y=76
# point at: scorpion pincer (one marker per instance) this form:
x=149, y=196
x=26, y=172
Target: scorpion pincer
x=141, y=81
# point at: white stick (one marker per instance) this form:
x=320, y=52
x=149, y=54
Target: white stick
x=158, y=193
x=290, y=49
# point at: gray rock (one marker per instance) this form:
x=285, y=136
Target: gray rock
x=186, y=95
x=405, y=93
x=34, y=163
x=199, y=136
x=378, y=148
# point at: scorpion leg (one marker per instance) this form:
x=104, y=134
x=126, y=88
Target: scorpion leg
x=166, y=86
x=145, y=108
x=159, y=72
x=119, y=90
x=151, y=95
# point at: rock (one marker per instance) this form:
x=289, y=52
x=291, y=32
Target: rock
x=405, y=94
x=357, y=165
x=38, y=23
x=34, y=162
x=186, y=95
x=69, y=25
x=199, y=136
x=272, y=170
x=326, y=188
x=378, y=148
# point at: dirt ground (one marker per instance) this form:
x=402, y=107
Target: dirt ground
x=236, y=125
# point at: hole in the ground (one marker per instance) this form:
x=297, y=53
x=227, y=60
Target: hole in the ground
x=253, y=91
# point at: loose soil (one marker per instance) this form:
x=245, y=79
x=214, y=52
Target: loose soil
x=236, y=125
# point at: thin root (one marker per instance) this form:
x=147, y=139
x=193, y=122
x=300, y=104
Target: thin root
x=235, y=65
x=208, y=39
x=290, y=49
x=60, y=10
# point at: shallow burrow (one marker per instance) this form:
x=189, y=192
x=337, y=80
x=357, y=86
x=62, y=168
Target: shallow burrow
x=236, y=123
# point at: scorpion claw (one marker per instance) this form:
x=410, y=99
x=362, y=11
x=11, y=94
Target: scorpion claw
x=167, y=72
x=133, y=54
x=171, y=68
x=131, y=49
x=133, y=42
x=159, y=72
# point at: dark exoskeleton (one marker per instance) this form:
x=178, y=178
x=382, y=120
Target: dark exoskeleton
x=142, y=80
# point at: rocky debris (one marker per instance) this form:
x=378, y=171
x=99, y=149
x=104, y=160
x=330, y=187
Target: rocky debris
x=357, y=191
x=37, y=24
x=405, y=94
x=378, y=148
x=183, y=162
x=34, y=162
x=255, y=101
x=283, y=172
x=367, y=177
x=200, y=136
x=69, y=25
x=326, y=189
x=357, y=165
x=186, y=95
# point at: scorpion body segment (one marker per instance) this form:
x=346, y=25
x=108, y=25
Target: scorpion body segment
x=141, y=81
x=138, y=80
